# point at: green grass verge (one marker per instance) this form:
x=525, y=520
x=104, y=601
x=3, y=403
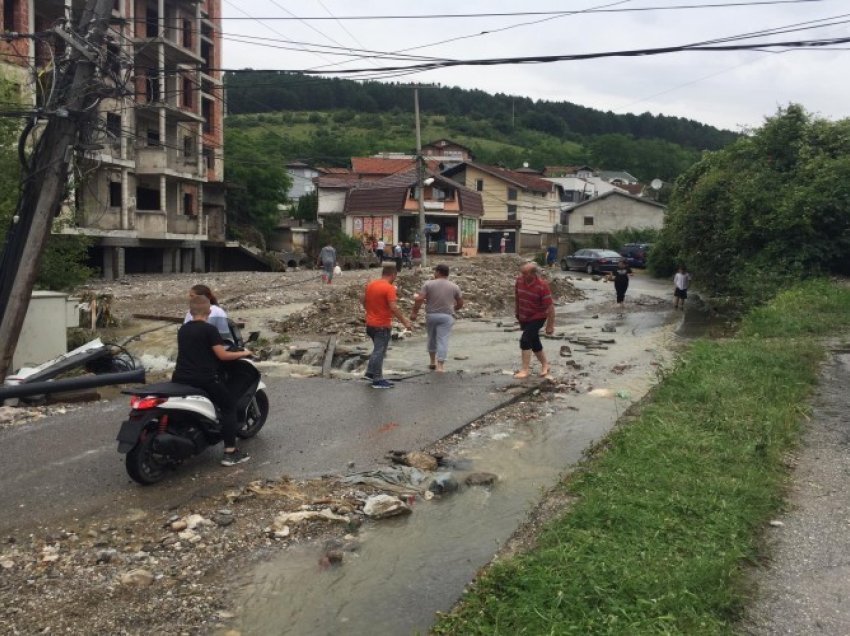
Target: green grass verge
x=671, y=508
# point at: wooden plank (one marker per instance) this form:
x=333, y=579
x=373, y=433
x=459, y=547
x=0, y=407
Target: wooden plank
x=329, y=356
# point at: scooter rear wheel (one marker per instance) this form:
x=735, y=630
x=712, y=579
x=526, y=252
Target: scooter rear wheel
x=255, y=417
x=142, y=465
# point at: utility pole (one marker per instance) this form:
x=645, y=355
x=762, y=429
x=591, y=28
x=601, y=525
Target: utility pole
x=46, y=179
x=420, y=189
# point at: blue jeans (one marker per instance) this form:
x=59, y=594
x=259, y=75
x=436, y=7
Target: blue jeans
x=380, y=340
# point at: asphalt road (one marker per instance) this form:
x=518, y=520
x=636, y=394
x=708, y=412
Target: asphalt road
x=67, y=466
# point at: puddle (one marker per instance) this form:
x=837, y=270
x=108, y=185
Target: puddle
x=407, y=569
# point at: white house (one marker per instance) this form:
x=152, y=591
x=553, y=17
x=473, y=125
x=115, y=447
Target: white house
x=615, y=211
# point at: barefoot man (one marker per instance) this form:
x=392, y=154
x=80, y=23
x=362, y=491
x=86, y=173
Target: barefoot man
x=534, y=308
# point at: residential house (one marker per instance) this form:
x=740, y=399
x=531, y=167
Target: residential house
x=388, y=209
x=614, y=211
x=303, y=179
x=522, y=207
x=447, y=152
x=151, y=193
x=618, y=177
x=581, y=172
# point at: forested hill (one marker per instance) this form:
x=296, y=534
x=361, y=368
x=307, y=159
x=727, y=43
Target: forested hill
x=264, y=92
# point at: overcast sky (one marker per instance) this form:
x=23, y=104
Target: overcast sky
x=731, y=90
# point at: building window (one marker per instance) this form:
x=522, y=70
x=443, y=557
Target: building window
x=188, y=204
x=10, y=8
x=147, y=198
x=188, y=148
x=153, y=137
x=511, y=213
x=207, y=112
x=187, y=34
x=479, y=185
x=512, y=194
x=115, y=192
x=209, y=158
x=188, y=89
x=588, y=220
x=113, y=125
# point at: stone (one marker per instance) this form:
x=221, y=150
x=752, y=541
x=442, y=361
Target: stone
x=193, y=522
x=8, y=414
x=223, y=517
x=179, y=525
x=422, y=461
x=383, y=506
x=565, y=351
x=137, y=578
x=106, y=556
x=609, y=328
x=481, y=479
x=7, y=564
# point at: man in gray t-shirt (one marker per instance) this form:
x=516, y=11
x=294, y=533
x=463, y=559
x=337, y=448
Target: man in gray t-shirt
x=442, y=298
x=327, y=259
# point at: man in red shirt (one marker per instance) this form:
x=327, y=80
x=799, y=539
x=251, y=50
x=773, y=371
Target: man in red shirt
x=534, y=308
x=379, y=299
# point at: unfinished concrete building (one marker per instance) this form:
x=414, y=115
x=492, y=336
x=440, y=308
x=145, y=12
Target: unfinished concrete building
x=148, y=187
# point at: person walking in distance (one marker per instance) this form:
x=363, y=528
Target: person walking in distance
x=379, y=249
x=503, y=245
x=379, y=299
x=442, y=298
x=681, y=282
x=398, y=257
x=327, y=260
x=534, y=309
x=199, y=350
x=621, y=281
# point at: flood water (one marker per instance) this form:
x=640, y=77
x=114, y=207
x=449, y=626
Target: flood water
x=406, y=569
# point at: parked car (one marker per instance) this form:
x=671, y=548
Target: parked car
x=592, y=260
x=636, y=253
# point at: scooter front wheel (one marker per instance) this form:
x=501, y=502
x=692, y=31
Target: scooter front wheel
x=142, y=464
x=255, y=417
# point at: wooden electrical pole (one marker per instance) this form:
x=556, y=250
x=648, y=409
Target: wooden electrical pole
x=46, y=181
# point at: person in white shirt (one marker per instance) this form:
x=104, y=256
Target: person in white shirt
x=379, y=249
x=681, y=282
x=217, y=317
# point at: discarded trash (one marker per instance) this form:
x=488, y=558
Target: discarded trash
x=285, y=518
x=403, y=480
x=415, y=459
x=383, y=506
x=624, y=394
x=443, y=483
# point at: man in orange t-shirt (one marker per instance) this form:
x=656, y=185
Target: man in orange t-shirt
x=379, y=299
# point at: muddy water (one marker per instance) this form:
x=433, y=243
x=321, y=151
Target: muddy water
x=407, y=569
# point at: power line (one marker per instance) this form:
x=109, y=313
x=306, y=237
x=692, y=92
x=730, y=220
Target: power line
x=456, y=16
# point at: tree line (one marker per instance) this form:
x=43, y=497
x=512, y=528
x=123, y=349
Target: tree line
x=265, y=92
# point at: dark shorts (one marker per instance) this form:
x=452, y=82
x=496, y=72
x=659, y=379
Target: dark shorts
x=680, y=293
x=530, y=338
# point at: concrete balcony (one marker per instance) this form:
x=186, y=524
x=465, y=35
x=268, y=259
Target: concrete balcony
x=151, y=224
x=184, y=225
x=155, y=160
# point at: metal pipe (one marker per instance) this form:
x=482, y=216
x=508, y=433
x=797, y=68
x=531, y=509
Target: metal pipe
x=70, y=384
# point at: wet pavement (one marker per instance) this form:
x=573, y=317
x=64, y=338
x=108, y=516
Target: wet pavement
x=805, y=586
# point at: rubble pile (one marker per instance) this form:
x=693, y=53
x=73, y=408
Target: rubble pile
x=487, y=284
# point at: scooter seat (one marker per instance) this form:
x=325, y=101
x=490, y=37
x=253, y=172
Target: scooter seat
x=166, y=389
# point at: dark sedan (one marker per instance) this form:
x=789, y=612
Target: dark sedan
x=592, y=260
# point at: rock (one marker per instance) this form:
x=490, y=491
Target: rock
x=332, y=557
x=609, y=328
x=7, y=564
x=481, y=479
x=106, y=556
x=461, y=357
x=50, y=554
x=223, y=517
x=8, y=414
x=195, y=521
x=422, y=461
x=179, y=525
x=383, y=506
x=566, y=352
x=137, y=578
x=443, y=483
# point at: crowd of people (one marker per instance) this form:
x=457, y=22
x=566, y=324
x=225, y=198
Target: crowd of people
x=201, y=339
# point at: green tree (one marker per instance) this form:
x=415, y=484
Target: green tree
x=257, y=182
x=771, y=209
x=308, y=207
x=63, y=262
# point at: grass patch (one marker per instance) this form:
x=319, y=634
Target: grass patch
x=672, y=507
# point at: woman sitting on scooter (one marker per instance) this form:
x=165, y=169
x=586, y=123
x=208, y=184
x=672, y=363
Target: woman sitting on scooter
x=218, y=317
x=199, y=350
